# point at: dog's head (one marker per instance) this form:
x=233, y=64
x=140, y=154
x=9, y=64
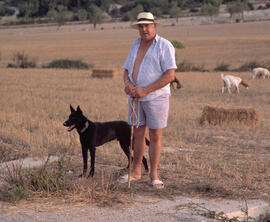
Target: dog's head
x=76, y=119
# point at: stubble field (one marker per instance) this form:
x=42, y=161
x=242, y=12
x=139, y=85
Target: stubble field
x=214, y=161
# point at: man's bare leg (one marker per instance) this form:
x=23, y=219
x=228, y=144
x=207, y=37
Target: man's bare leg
x=154, y=152
x=139, y=148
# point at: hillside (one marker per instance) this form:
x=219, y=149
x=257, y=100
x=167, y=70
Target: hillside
x=97, y=12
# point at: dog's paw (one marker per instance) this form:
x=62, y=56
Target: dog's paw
x=82, y=175
x=91, y=174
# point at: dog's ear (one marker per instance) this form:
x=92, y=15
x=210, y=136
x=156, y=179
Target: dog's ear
x=79, y=109
x=71, y=109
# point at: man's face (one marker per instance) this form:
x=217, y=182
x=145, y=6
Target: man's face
x=147, y=31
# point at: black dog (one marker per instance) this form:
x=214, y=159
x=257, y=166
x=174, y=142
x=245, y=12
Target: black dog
x=93, y=134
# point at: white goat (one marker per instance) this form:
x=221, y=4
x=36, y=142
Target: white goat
x=260, y=72
x=232, y=82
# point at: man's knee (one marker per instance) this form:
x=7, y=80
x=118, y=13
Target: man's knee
x=155, y=134
x=139, y=133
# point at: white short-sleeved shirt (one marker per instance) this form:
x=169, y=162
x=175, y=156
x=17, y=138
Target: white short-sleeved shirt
x=158, y=59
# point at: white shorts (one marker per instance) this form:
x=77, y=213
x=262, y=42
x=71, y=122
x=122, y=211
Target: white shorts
x=153, y=113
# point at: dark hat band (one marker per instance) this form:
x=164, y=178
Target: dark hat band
x=145, y=19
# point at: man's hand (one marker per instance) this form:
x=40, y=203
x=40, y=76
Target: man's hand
x=130, y=89
x=140, y=92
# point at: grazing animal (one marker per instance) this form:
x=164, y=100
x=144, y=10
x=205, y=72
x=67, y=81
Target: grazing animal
x=232, y=82
x=93, y=134
x=260, y=73
x=178, y=84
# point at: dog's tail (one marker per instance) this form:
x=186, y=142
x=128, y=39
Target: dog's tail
x=244, y=84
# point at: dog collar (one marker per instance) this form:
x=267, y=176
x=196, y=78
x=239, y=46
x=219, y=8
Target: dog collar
x=85, y=127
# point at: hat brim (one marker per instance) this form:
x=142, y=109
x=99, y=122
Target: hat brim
x=135, y=25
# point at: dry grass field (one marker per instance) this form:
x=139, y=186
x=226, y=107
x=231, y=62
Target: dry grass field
x=231, y=161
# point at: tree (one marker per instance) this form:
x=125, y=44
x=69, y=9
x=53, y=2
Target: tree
x=210, y=9
x=237, y=7
x=156, y=11
x=175, y=11
x=82, y=14
x=28, y=8
x=216, y=3
x=95, y=15
x=60, y=14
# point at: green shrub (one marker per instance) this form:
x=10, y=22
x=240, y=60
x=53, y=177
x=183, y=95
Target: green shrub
x=222, y=67
x=5, y=11
x=18, y=192
x=177, y=44
x=68, y=64
x=21, y=60
x=186, y=66
x=48, y=181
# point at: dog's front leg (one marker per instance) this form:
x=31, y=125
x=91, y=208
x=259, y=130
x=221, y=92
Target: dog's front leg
x=93, y=156
x=85, y=159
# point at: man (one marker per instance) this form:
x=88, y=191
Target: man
x=148, y=70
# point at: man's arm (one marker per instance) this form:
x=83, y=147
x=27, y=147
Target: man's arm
x=166, y=78
x=129, y=87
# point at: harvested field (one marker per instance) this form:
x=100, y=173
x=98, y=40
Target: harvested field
x=205, y=45
x=211, y=161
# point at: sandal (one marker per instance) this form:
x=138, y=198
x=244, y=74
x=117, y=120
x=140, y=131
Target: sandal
x=158, y=184
x=124, y=179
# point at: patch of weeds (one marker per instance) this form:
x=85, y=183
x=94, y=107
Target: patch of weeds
x=219, y=216
x=186, y=66
x=18, y=192
x=201, y=210
x=21, y=60
x=48, y=181
x=222, y=66
x=177, y=44
x=248, y=66
x=68, y=64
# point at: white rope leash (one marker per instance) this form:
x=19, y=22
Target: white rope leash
x=136, y=115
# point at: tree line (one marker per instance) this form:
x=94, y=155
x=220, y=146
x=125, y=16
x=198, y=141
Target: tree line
x=96, y=11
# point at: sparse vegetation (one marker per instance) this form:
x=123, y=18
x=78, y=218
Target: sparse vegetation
x=33, y=121
x=177, y=44
x=222, y=66
x=248, y=66
x=68, y=64
x=186, y=66
x=21, y=60
x=48, y=181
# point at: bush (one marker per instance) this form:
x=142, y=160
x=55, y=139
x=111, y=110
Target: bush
x=18, y=192
x=68, y=64
x=4, y=11
x=222, y=67
x=248, y=66
x=186, y=66
x=177, y=44
x=21, y=61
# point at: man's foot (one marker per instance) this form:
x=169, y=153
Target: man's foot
x=124, y=179
x=158, y=184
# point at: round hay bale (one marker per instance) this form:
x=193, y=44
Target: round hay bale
x=230, y=116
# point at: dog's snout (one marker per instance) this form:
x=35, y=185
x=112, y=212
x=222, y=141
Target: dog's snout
x=65, y=123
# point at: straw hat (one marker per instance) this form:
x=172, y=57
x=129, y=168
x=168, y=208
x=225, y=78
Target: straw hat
x=144, y=18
